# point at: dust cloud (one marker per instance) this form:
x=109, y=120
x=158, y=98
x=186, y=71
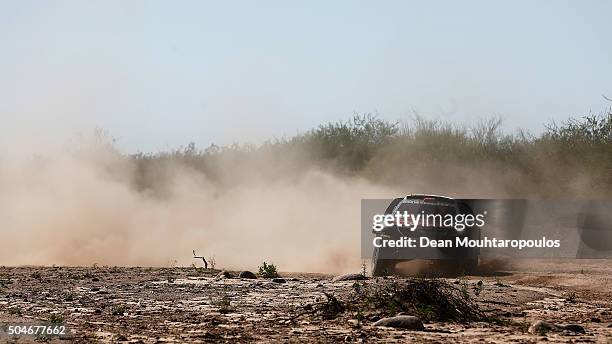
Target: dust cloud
x=94, y=205
x=84, y=209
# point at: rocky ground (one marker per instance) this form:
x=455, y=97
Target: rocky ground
x=150, y=305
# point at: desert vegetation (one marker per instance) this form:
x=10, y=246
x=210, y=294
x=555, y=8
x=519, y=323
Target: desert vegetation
x=569, y=158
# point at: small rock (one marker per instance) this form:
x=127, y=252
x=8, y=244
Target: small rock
x=279, y=280
x=349, y=277
x=121, y=338
x=374, y=318
x=247, y=274
x=407, y=322
x=595, y=320
x=223, y=274
x=573, y=328
x=541, y=327
x=95, y=289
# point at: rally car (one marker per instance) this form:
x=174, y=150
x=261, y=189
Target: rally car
x=462, y=259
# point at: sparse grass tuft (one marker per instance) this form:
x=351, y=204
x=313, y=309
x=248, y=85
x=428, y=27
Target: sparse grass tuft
x=56, y=318
x=224, y=302
x=571, y=297
x=331, y=308
x=197, y=269
x=118, y=310
x=478, y=288
x=15, y=311
x=212, y=262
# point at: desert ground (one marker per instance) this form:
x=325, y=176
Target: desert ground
x=178, y=305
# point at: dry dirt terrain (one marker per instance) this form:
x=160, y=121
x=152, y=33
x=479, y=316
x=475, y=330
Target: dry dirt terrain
x=176, y=305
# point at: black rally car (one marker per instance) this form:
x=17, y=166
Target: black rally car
x=462, y=259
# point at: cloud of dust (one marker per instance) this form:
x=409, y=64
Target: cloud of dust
x=81, y=208
x=70, y=210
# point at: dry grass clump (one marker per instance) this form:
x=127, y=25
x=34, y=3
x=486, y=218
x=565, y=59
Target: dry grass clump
x=429, y=299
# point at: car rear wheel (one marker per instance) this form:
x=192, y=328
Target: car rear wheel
x=382, y=267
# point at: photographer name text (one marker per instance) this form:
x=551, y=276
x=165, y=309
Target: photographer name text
x=426, y=242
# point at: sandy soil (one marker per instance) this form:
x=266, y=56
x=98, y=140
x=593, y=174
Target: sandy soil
x=150, y=305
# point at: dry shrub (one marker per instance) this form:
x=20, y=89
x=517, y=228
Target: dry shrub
x=429, y=299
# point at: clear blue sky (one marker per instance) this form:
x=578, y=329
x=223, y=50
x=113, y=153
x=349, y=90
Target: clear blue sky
x=158, y=74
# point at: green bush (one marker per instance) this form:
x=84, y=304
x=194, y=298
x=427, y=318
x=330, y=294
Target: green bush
x=268, y=270
x=571, y=158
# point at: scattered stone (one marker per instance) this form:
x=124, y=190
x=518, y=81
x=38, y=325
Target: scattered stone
x=541, y=327
x=223, y=274
x=406, y=322
x=374, y=318
x=279, y=280
x=595, y=320
x=573, y=328
x=121, y=338
x=95, y=289
x=247, y=274
x=349, y=277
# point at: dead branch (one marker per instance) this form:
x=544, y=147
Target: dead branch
x=201, y=257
